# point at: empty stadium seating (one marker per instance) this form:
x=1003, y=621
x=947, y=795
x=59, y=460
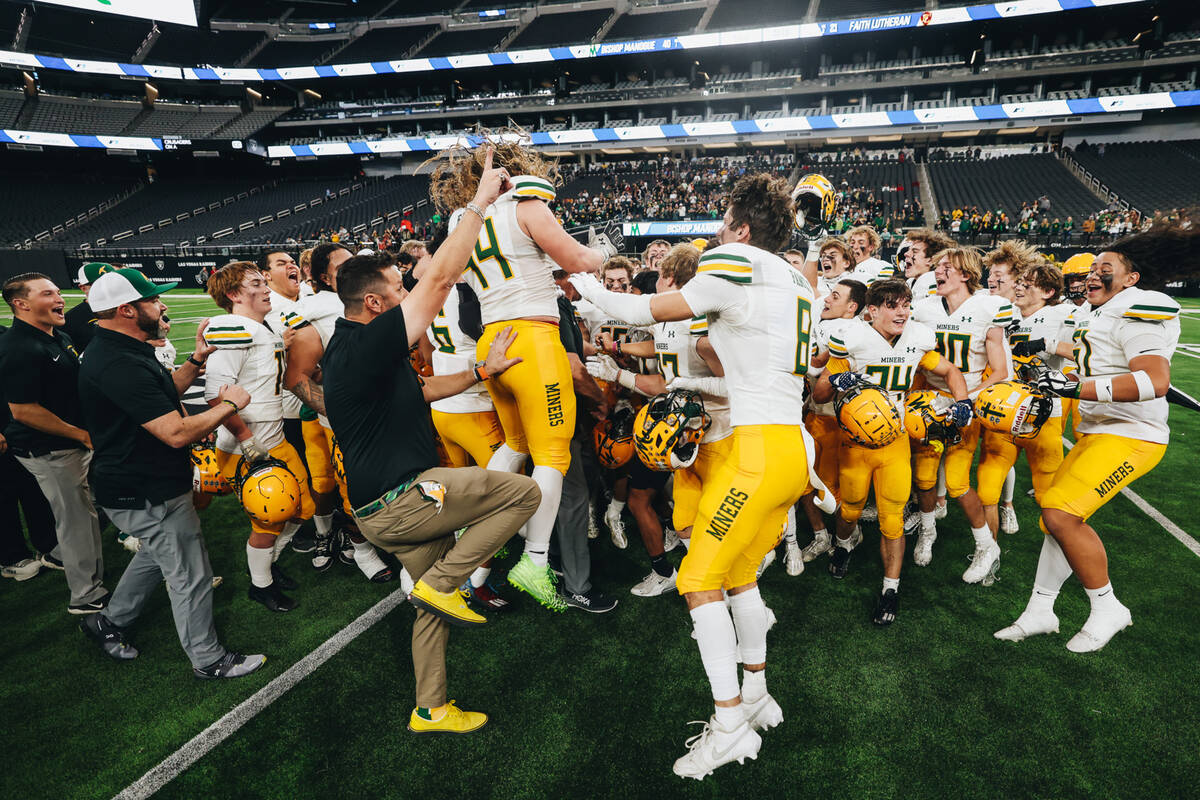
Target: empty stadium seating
x=1007, y=182
x=1148, y=175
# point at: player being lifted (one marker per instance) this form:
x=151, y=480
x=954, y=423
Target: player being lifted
x=970, y=331
x=760, y=317
x=1123, y=340
x=511, y=271
x=888, y=351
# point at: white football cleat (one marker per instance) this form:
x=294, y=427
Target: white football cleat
x=764, y=713
x=616, y=527
x=593, y=527
x=856, y=537
x=984, y=564
x=713, y=747
x=939, y=510
x=767, y=561
x=1098, y=630
x=1008, y=520
x=654, y=584
x=793, y=559
x=821, y=544
x=1029, y=624
x=923, y=552
x=870, y=513
x=670, y=539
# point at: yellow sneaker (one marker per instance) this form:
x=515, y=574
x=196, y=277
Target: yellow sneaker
x=450, y=606
x=454, y=720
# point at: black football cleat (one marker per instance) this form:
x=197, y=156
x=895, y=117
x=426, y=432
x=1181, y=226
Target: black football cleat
x=282, y=580
x=839, y=562
x=886, y=608
x=272, y=597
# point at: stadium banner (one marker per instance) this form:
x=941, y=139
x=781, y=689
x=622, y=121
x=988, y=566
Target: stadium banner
x=181, y=12
x=684, y=227
x=190, y=272
x=735, y=38
x=825, y=122
x=80, y=140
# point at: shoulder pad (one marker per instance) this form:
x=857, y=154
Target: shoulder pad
x=1149, y=306
x=292, y=320
x=923, y=335
x=525, y=186
x=842, y=338
x=320, y=305
x=229, y=332
x=699, y=325
x=727, y=262
x=1001, y=310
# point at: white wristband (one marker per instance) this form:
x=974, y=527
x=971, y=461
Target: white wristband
x=1145, y=385
x=814, y=251
x=1104, y=390
x=627, y=379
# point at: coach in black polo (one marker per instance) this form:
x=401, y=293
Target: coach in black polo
x=142, y=471
x=39, y=373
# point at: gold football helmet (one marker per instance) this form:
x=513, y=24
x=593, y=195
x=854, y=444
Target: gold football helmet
x=815, y=202
x=867, y=415
x=613, y=438
x=1013, y=408
x=206, y=474
x=268, y=490
x=668, y=430
x=925, y=419
x=1078, y=264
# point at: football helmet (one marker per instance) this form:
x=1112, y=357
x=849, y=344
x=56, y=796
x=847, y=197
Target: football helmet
x=667, y=431
x=925, y=419
x=1013, y=408
x=1078, y=264
x=1030, y=369
x=206, y=473
x=613, y=438
x=268, y=490
x=867, y=415
x=815, y=202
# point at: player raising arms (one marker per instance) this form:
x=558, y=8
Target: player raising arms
x=970, y=334
x=1124, y=338
x=760, y=317
x=511, y=270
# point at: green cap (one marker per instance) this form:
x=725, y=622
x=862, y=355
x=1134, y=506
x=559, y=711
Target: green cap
x=120, y=286
x=89, y=272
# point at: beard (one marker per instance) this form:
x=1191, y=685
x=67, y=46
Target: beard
x=153, y=327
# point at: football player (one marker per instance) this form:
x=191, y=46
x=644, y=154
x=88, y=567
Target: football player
x=835, y=261
x=970, y=331
x=919, y=259
x=864, y=243
x=1075, y=272
x=759, y=314
x=283, y=279
x=511, y=271
x=1123, y=338
x=888, y=352
x=654, y=253
x=249, y=353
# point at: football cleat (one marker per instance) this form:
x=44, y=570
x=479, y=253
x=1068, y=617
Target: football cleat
x=231, y=665
x=593, y=526
x=940, y=509
x=856, y=537
x=537, y=582
x=713, y=747
x=272, y=597
x=912, y=519
x=654, y=584
x=793, y=559
x=670, y=539
x=821, y=544
x=371, y=565
x=485, y=597
x=767, y=561
x=450, y=607
x=281, y=578
x=870, y=513
x=984, y=564
x=1008, y=520
x=839, y=562
x=616, y=527
x=923, y=552
x=1029, y=624
x=344, y=546
x=886, y=608
x=110, y=637
x=322, y=558
x=23, y=570
x=1099, y=630
x=764, y=713
x=454, y=720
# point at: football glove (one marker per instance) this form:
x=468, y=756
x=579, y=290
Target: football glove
x=602, y=368
x=587, y=284
x=1055, y=382
x=602, y=243
x=253, y=452
x=845, y=381
x=711, y=385
x=961, y=413
x=1029, y=348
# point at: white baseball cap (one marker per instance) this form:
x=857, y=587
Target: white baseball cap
x=121, y=286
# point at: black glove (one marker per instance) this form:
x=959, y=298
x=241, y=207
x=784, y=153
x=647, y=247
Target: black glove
x=1055, y=382
x=1028, y=348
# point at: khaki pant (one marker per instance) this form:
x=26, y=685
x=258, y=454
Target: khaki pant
x=491, y=506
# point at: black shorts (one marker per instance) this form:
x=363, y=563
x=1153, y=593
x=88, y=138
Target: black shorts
x=642, y=477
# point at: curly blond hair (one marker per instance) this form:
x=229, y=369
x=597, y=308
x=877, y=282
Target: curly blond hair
x=457, y=170
x=1018, y=255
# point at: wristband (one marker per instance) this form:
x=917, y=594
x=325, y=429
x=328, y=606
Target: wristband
x=192, y=360
x=475, y=209
x=235, y=405
x=1104, y=390
x=627, y=379
x=617, y=346
x=481, y=373
x=1145, y=385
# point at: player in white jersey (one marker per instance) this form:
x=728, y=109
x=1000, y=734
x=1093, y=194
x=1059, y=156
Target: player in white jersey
x=924, y=244
x=888, y=351
x=511, y=270
x=970, y=331
x=1123, y=340
x=845, y=301
x=322, y=310
x=760, y=321
x=835, y=262
x=864, y=244
x=250, y=353
x=283, y=279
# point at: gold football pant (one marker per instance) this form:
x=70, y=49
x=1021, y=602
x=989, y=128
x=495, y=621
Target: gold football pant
x=228, y=462
x=474, y=435
x=958, y=463
x=690, y=482
x=827, y=435
x=535, y=400
x=744, y=507
x=1096, y=470
x=1044, y=453
x=890, y=469
x=318, y=453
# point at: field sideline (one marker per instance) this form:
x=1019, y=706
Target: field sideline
x=596, y=706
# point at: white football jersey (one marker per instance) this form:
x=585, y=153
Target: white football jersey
x=286, y=310
x=322, y=310
x=962, y=336
x=249, y=355
x=760, y=316
x=825, y=284
x=871, y=270
x=454, y=351
x=510, y=273
x=823, y=329
x=890, y=366
x=675, y=345
x=1133, y=323
x=166, y=355
x=924, y=285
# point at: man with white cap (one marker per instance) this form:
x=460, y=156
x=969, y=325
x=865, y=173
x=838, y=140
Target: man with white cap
x=81, y=322
x=142, y=472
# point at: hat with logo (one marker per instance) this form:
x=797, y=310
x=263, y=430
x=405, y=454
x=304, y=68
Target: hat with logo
x=89, y=272
x=121, y=286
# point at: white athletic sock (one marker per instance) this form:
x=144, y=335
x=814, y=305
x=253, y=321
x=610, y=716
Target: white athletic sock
x=789, y=533
x=982, y=535
x=259, y=561
x=928, y=520
x=1104, y=600
x=750, y=623
x=505, y=459
x=324, y=523
x=619, y=505
x=717, y=640
x=1053, y=569
x=687, y=543
x=406, y=581
x=891, y=583
x=480, y=575
x=1010, y=482
x=941, y=482
x=821, y=534
x=284, y=539
x=754, y=685
x=730, y=718
x=363, y=547
x=540, y=526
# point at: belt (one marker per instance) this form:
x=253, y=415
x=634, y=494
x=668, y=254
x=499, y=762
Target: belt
x=387, y=497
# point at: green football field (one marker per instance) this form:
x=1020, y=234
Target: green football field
x=597, y=706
